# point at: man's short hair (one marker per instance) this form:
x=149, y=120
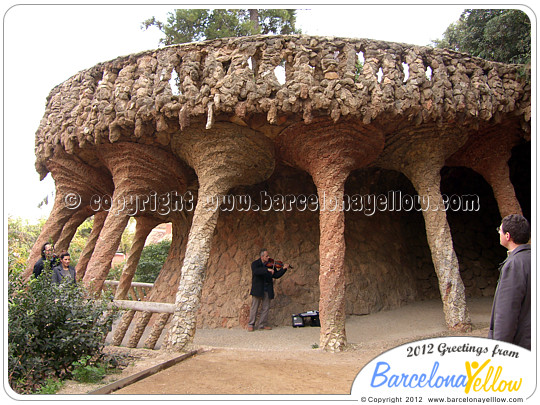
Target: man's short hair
x=262, y=251
x=518, y=227
x=64, y=255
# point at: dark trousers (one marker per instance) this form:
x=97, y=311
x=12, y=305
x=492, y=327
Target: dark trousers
x=256, y=302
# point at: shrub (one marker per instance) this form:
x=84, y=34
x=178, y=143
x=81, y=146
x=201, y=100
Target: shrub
x=152, y=259
x=51, y=386
x=85, y=372
x=50, y=327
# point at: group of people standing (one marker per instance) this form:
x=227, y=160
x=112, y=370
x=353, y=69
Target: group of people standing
x=60, y=265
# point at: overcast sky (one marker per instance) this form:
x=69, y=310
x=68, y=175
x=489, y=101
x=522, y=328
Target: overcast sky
x=46, y=44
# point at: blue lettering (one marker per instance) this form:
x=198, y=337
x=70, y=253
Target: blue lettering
x=404, y=379
x=413, y=377
x=393, y=381
x=421, y=381
x=461, y=381
x=433, y=372
x=381, y=377
x=380, y=374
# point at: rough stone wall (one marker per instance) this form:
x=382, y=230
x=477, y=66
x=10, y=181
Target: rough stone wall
x=387, y=263
x=383, y=262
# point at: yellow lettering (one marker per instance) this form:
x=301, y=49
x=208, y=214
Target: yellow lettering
x=487, y=384
x=470, y=375
x=497, y=374
x=488, y=376
x=515, y=387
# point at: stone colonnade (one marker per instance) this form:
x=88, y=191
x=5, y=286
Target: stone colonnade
x=127, y=130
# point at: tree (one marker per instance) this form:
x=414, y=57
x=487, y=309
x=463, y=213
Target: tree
x=189, y=25
x=21, y=237
x=500, y=35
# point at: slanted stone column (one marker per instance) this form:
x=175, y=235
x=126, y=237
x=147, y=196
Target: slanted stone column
x=165, y=285
x=75, y=184
x=426, y=180
x=139, y=172
x=109, y=239
x=488, y=153
x=329, y=152
x=139, y=328
x=143, y=228
x=497, y=174
x=84, y=258
x=70, y=228
x=420, y=155
x=155, y=333
x=223, y=157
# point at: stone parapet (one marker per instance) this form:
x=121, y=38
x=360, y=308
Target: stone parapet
x=236, y=79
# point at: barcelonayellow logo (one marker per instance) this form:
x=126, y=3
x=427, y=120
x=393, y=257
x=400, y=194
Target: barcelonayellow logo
x=454, y=366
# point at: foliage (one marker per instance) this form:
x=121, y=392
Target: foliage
x=51, y=386
x=500, y=35
x=116, y=271
x=188, y=25
x=50, y=327
x=127, y=237
x=358, y=68
x=21, y=237
x=152, y=259
x=86, y=372
x=79, y=240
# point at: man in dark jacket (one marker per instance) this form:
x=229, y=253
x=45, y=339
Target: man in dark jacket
x=262, y=289
x=47, y=258
x=511, y=313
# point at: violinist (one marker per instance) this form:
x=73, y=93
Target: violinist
x=264, y=270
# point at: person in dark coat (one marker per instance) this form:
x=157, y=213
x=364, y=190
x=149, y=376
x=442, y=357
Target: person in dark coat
x=47, y=258
x=262, y=289
x=511, y=312
x=63, y=270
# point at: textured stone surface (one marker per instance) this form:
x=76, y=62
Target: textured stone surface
x=138, y=171
x=121, y=128
x=142, y=229
x=75, y=184
x=329, y=152
x=223, y=157
x=422, y=161
x=487, y=152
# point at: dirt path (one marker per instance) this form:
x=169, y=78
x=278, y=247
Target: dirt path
x=233, y=361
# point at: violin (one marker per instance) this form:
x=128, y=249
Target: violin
x=276, y=264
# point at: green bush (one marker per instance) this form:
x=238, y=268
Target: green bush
x=51, y=386
x=50, y=327
x=85, y=372
x=152, y=259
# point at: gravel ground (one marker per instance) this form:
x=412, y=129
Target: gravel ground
x=231, y=359
x=400, y=323
x=395, y=324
